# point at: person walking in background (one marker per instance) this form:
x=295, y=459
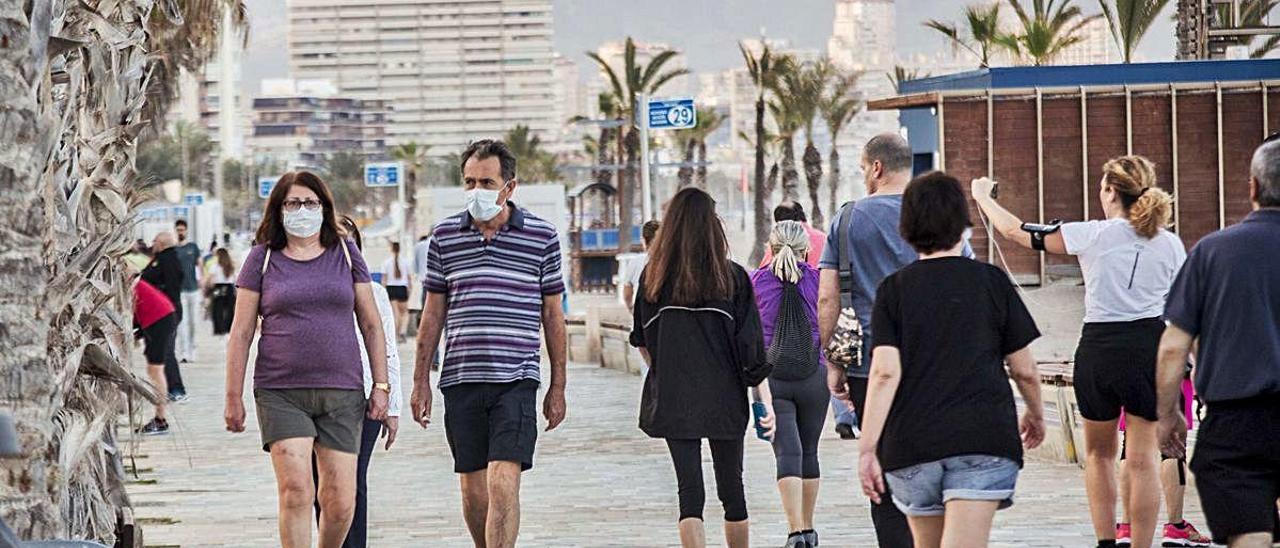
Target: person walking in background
x=1129, y=262
x=1225, y=303
x=165, y=273
x=420, y=251
x=220, y=283
x=1177, y=531
x=304, y=280
x=397, y=280
x=697, y=326
x=863, y=247
x=191, y=301
x=635, y=266
x=493, y=278
x=786, y=292
x=793, y=211
x=940, y=424
x=357, y=535
x=153, y=313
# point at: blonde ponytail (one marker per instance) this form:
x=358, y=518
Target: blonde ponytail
x=789, y=243
x=1148, y=207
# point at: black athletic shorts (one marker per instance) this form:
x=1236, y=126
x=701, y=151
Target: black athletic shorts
x=1237, y=467
x=1116, y=367
x=159, y=338
x=398, y=293
x=486, y=422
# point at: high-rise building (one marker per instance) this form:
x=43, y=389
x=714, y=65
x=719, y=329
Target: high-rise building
x=452, y=71
x=863, y=39
x=570, y=101
x=298, y=124
x=1095, y=47
x=199, y=102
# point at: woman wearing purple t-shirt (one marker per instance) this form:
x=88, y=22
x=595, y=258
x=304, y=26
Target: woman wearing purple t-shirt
x=303, y=280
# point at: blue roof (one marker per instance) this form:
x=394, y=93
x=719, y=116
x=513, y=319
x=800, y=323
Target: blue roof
x=1099, y=75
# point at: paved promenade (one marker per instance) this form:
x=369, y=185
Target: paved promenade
x=598, y=481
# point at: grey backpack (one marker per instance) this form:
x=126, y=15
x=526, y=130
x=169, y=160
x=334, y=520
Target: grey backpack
x=792, y=352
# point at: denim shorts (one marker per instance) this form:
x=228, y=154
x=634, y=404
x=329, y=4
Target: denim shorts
x=924, y=489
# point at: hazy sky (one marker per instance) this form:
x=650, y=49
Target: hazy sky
x=705, y=30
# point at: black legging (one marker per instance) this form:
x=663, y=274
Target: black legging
x=727, y=458
x=800, y=411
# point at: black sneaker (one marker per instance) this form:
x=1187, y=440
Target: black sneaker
x=846, y=431
x=156, y=427
x=796, y=540
x=812, y=537
x=179, y=397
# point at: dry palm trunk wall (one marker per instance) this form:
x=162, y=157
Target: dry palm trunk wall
x=72, y=75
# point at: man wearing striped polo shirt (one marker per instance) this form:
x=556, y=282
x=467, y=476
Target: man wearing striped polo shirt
x=493, y=277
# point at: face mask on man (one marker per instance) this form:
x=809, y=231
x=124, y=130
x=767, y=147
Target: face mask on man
x=483, y=204
x=303, y=223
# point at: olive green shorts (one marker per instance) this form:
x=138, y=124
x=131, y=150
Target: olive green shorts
x=333, y=417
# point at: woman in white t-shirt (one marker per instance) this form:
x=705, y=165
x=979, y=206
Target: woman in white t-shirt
x=1129, y=262
x=397, y=279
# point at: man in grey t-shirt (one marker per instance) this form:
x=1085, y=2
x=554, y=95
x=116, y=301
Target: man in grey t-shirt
x=875, y=250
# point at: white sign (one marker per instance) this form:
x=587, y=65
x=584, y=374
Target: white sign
x=383, y=174
x=672, y=113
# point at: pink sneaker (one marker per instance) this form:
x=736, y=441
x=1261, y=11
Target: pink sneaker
x=1187, y=535
x=1123, y=535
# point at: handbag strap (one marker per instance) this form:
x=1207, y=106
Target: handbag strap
x=843, y=223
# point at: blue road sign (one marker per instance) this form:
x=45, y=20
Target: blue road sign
x=265, y=184
x=181, y=212
x=193, y=199
x=672, y=113
x=382, y=174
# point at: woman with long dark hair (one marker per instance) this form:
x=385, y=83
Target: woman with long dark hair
x=302, y=281
x=1129, y=262
x=220, y=283
x=397, y=279
x=696, y=324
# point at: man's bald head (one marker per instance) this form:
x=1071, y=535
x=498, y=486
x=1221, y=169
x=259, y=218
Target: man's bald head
x=163, y=241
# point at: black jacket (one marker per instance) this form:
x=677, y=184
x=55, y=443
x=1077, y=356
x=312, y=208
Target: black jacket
x=703, y=358
x=165, y=272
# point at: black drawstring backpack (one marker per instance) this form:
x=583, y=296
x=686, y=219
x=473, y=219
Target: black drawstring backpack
x=792, y=352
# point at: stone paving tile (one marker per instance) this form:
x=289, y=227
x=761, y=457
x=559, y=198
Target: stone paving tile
x=597, y=482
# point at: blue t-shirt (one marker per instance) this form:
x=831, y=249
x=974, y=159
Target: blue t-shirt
x=1228, y=295
x=876, y=250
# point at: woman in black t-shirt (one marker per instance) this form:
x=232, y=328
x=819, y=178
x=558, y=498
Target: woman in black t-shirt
x=940, y=420
x=696, y=324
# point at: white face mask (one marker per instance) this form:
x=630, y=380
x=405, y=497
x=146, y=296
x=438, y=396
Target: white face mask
x=303, y=223
x=483, y=204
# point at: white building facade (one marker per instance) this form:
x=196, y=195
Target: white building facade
x=863, y=39
x=452, y=71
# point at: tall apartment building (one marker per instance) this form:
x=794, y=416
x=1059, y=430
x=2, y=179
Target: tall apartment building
x=1096, y=47
x=298, y=124
x=863, y=39
x=452, y=71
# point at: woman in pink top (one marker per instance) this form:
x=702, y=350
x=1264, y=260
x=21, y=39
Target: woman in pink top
x=793, y=211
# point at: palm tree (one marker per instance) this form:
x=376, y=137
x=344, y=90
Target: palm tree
x=708, y=124
x=414, y=156
x=1128, y=21
x=788, y=110
x=632, y=78
x=610, y=108
x=981, y=36
x=1254, y=13
x=902, y=74
x=764, y=72
x=74, y=112
x=807, y=85
x=838, y=109
x=537, y=165
x=1050, y=27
